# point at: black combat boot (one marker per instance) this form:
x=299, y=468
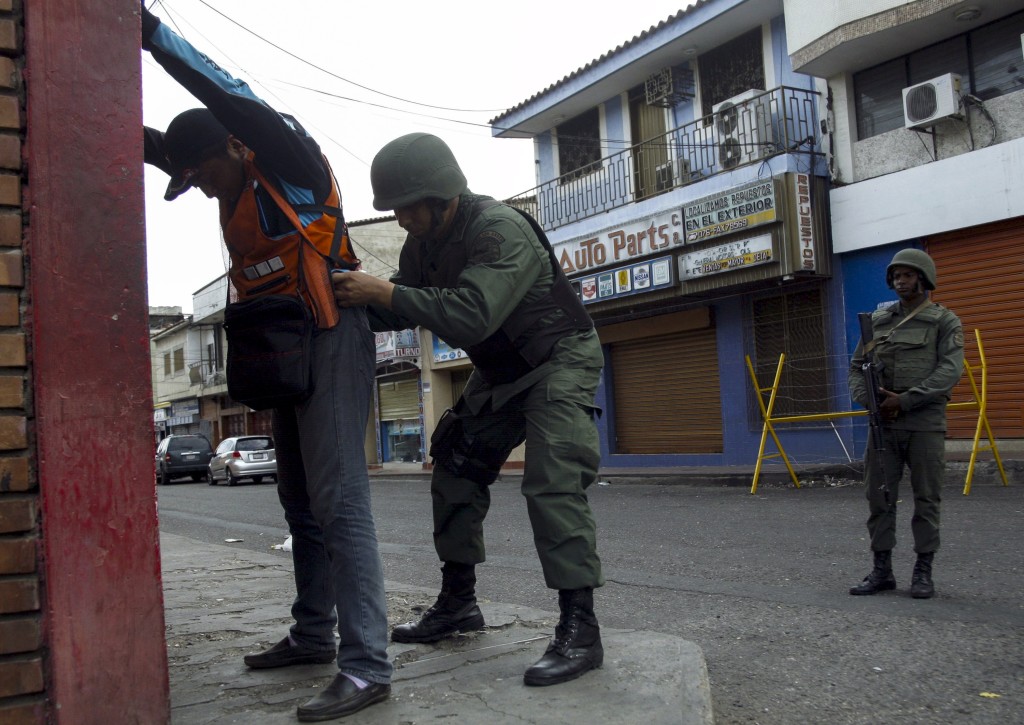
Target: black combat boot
x=454, y=611
x=921, y=586
x=880, y=579
x=576, y=647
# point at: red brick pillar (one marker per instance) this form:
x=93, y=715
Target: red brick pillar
x=81, y=607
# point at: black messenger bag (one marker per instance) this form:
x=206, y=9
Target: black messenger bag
x=270, y=355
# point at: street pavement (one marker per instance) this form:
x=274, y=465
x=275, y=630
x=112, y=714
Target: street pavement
x=224, y=601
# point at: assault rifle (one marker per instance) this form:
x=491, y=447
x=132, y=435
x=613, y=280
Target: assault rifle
x=873, y=383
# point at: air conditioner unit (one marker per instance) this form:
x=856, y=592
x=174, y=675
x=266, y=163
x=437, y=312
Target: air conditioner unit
x=743, y=126
x=671, y=174
x=931, y=101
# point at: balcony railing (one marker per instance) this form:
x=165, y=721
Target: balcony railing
x=781, y=121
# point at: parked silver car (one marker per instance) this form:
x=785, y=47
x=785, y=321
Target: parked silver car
x=241, y=457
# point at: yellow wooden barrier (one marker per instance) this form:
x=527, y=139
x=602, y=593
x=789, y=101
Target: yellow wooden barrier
x=979, y=402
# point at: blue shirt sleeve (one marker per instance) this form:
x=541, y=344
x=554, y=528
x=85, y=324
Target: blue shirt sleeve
x=281, y=146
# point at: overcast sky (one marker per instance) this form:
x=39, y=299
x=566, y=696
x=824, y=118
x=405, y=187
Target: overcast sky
x=475, y=57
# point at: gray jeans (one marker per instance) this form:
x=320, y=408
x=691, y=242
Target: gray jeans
x=325, y=491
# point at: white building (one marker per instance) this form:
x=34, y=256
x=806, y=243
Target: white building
x=926, y=146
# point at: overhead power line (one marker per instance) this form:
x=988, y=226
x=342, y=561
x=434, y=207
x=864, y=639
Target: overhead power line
x=341, y=78
x=563, y=139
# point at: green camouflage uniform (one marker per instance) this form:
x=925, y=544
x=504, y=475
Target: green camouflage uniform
x=489, y=271
x=921, y=360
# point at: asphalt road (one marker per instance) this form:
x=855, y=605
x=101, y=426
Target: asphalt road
x=758, y=582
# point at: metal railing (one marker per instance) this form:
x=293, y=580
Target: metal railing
x=780, y=121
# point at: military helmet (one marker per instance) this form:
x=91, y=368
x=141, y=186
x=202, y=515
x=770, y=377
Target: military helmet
x=412, y=168
x=915, y=259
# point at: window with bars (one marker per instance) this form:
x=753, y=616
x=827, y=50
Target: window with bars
x=988, y=61
x=730, y=69
x=579, y=145
x=794, y=324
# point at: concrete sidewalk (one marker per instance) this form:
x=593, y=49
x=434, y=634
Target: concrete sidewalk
x=223, y=602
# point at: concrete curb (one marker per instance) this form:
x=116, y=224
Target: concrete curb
x=221, y=602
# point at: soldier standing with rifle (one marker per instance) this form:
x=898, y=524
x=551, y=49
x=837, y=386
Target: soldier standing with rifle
x=915, y=352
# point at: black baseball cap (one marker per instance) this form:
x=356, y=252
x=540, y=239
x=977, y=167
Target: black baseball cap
x=191, y=137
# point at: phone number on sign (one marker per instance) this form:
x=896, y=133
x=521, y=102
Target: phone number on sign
x=717, y=229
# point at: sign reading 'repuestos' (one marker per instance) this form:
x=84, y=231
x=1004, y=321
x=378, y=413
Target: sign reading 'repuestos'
x=730, y=211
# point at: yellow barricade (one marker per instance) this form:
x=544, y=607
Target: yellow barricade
x=979, y=402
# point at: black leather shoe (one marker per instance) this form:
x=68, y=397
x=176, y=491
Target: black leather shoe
x=341, y=698
x=448, y=616
x=284, y=654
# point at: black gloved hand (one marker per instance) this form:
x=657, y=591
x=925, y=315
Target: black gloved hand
x=150, y=23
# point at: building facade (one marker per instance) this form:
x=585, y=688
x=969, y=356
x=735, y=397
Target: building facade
x=684, y=187
x=926, y=150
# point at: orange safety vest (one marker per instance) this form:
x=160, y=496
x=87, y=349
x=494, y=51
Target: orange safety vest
x=298, y=263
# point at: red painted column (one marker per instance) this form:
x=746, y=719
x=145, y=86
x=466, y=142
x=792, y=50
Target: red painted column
x=103, y=603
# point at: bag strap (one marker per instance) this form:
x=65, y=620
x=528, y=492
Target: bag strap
x=340, y=229
x=871, y=345
x=329, y=315
x=289, y=211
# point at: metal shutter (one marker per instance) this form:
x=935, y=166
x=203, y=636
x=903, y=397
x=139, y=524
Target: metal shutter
x=980, y=272
x=399, y=399
x=666, y=394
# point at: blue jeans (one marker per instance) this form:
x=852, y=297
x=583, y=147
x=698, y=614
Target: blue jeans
x=325, y=491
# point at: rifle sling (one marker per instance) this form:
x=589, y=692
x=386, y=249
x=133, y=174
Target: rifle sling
x=869, y=347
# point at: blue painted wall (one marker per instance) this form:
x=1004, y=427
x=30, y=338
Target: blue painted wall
x=546, y=156
x=740, y=437
x=864, y=283
x=615, y=125
x=863, y=274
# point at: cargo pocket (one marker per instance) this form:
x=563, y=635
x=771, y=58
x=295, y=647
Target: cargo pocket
x=914, y=357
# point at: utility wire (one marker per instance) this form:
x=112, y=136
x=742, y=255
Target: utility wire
x=346, y=80
x=563, y=139
x=270, y=92
x=372, y=90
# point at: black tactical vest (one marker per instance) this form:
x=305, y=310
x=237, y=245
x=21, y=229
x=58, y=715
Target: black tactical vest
x=529, y=334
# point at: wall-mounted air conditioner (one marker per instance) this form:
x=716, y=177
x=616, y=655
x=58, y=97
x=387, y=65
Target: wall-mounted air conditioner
x=931, y=101
x=743, y=127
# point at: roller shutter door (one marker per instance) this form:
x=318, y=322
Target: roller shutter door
x=666, y=394
x=399, y=399
x=980, y=272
